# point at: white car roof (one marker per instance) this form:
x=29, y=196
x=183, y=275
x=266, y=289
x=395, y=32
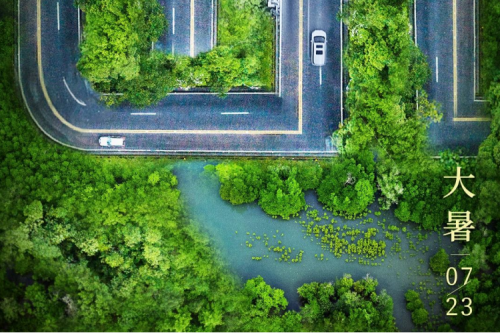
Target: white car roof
x=108, y=141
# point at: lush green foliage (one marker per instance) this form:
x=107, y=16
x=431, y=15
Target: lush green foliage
x=389, y=182
x=484, y=247
x=240, y=183
x=439, y=262
x=387, y=115
x=97, y=243
x=279, y=187
x=282, y=194
x=489, y=38
x=250, y=43
x=419, y=314
x=422, y=199
x=348, y=188
x=265, y=306
x=488, y=164
x=385, y=70
x=117, y=55
x=103, y=244
x=346, y=305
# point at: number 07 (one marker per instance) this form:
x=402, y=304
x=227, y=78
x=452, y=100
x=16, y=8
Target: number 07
x=455, y=275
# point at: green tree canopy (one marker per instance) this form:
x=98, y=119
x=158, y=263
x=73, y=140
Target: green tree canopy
x=439, y=262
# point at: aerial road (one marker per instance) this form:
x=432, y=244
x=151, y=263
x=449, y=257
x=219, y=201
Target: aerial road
x=446, y=34
x=296, y=119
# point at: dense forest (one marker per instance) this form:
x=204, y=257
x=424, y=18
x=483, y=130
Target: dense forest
x=104, y=244
x=117, y=54
x=484, y=247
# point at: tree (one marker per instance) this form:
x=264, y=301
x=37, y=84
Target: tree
x=347, y=188
x=309, y=174
x=390, y=185
x=346, y=305
x=477, y=258
x=317, y=299
x=420, y=316
x=439, y=262
x=266, y=300
x=385, y=70
x=240, y=183
x=116, y=34
x=282, y=195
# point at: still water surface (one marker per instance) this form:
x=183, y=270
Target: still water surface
x=228, y=225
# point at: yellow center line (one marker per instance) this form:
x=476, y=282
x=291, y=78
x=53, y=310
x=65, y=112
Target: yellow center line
x=465, y=119
x=191, y=37
x=455, y=61
x=125, y=131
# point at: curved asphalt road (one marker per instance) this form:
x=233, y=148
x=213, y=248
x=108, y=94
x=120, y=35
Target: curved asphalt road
x=297, y=123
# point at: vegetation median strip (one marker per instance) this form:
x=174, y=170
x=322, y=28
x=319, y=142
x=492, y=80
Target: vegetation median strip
x=117, y=57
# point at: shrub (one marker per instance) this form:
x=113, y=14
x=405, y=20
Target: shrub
x=420, y=316
x=282, y=195
x=440, y=262
x=348, y=188
x=240, y=182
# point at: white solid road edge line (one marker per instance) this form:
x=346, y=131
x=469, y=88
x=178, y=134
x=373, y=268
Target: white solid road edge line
x=234, y=113
x=191, y=28
x=79, y=29
x=341, y=67
x=320, y=76
x=437, y=69
x=58, y=18
x=212, y=28
x=173, y=21
x=222, y=152
x=415, y=20
x=143, y=114
x=72, y=95
x=281, y=50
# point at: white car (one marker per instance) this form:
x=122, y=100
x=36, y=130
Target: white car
x=318, y=47
x=112, y=141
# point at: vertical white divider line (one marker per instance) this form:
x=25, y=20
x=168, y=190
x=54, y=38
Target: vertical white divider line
x=173, y=21
x=58, y=18
x=437, y=69
x=341, y=67
x=79, y=28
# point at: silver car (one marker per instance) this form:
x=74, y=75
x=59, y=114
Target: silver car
x=318, y=47
x=112, y=141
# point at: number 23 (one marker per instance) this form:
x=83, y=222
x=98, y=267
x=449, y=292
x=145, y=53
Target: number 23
x=468, y=306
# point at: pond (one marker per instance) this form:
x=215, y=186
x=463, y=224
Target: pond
x=233, y=228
